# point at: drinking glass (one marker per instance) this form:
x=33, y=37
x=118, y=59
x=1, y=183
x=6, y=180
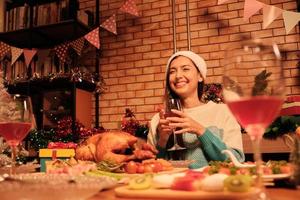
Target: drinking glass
x=16, y=120
x=173, y=104
x=253, y=89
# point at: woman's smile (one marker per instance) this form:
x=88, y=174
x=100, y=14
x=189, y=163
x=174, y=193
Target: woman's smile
x=180, y=84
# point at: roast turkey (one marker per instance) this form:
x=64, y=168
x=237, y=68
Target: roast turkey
x=114, y=146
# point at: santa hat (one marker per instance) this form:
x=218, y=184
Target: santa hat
x=197, y=60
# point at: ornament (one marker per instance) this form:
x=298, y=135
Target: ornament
x=131, y=125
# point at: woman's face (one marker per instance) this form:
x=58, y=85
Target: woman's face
x=184, y=77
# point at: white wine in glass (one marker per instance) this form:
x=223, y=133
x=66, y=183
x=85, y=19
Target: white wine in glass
x=253, y=89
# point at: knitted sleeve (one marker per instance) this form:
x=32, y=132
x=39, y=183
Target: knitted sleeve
x=212, y=145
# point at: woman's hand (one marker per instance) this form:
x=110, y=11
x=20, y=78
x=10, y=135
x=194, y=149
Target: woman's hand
x=185, y=123
x=163, y=129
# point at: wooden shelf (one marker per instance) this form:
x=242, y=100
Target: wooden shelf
x=37, y=86
x=45, y=36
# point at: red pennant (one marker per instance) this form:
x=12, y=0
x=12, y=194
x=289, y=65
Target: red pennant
x=110, y=24
x=61, y=51
x=77, y=45
x=15, y=54
x=4, y=49
x=28, y=54
x=130, y=7
x=93, y=37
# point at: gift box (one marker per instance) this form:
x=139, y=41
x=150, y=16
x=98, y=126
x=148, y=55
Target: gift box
x=53, y=154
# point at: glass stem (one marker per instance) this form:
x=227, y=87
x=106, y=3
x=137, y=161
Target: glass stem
x=13, y=159
x=258, y=162
x=175, y=139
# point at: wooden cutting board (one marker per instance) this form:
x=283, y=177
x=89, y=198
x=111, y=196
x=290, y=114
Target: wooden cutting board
x=173, y=171
x=175, y=194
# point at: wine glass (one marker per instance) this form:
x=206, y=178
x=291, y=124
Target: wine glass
x=16, y=120
x=253, y=89
x=173, y=104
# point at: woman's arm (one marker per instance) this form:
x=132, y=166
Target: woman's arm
x=213, y=146
x=153, y=137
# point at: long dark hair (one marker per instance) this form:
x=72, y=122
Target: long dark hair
x=170, y=94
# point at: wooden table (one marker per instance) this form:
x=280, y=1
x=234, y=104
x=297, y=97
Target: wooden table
x=274, y=194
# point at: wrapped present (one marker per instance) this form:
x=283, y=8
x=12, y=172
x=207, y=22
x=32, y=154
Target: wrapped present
x=291, y=106
x=53, y=154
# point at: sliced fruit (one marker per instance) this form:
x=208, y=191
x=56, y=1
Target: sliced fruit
x=238, y=183
x=140, y=182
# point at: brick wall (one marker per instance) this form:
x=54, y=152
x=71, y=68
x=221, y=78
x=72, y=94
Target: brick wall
x=133, y=62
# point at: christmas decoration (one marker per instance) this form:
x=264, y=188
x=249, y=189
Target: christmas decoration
x=29, y=54
x=75, y=76
x=93, y=38
x=40, y=139
x=131, y=125
x=61, y=51
x=110, y=24
x=130, y=7
x=282, y=125
x=77, y=45
x=270, y=13
x=15, y=54
x=4, y=49
x=62, y=145
x=212, y=92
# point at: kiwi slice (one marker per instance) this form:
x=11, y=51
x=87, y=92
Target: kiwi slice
x=140, y=182
x=238, y=183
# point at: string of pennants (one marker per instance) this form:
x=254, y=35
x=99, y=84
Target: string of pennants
x=270, y=13
x=61, y=50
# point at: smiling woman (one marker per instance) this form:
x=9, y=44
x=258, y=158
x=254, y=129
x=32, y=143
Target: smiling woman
x=205, y=129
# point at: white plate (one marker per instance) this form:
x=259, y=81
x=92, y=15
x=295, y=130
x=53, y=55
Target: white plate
x=40, y=186
x=276, y=176
x=265, y=177
x=26, y=168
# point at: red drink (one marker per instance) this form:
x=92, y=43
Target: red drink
x=170, y=114
x=258, y=110
x=14, y=132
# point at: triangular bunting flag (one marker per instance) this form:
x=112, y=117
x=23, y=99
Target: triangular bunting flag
x=61, y=51
x=93, y=37
x=221, y=1
x=4, y=49
x=270, y=13
x=130, y=7
x=15, y=54
x=251, y=7
x=110, y=24
x=290, y=20
x=77, y=45
x=28, y=54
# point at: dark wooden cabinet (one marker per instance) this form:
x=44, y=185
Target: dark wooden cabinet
x=52, y=98
x=60, y=98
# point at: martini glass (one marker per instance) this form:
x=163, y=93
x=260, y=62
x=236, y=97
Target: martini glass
x=16, y=120
x=253, y=89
